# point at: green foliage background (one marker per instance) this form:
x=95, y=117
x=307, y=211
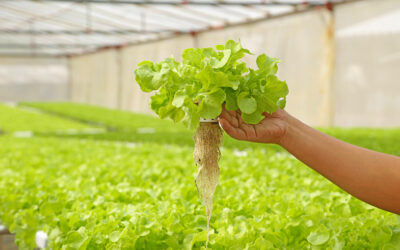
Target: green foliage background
x=132, y=187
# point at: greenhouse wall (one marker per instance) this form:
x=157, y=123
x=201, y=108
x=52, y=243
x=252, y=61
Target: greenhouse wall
x=359, y=11
x=367, y=86
x=33, y=79
x=95, y=78
x=367, y=89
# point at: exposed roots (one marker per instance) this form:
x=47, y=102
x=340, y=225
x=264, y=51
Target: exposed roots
x=206, y=154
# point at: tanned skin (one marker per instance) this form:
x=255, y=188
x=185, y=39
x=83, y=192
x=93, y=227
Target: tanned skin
x=370, y=176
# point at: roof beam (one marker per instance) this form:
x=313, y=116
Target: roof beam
x=50, y=45
x=31, y=55
x=81, y=32
x=186, y=2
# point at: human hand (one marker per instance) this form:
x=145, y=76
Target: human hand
x=270, y=130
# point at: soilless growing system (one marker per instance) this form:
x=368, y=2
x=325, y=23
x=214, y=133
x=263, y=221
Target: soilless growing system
x=195, y=90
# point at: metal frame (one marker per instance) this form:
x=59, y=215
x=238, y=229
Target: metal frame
x=50, y=45
x=91, y=25
x=186, y=2
x=80, y=32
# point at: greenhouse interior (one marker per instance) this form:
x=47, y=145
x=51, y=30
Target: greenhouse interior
x=275, y=124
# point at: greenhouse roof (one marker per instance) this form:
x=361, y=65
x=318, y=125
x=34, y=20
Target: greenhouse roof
x=69, y=27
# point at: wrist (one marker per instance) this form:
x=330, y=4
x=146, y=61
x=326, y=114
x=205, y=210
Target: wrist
x=289, y=127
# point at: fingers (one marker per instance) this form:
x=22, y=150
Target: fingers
x=230, y=116
x=226, y=126
x=231, y=130
x=231, y=112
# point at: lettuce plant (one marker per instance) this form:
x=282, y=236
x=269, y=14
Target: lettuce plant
x=206, y=78
x=197, y=88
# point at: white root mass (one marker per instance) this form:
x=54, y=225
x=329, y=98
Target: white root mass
x=206, y=154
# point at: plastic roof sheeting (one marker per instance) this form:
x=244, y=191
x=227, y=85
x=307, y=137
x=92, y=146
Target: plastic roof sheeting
x=61, y=27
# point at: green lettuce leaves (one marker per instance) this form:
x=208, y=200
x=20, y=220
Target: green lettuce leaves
x=206, y=78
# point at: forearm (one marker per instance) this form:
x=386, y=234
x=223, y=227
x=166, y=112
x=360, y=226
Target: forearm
x=370, y=176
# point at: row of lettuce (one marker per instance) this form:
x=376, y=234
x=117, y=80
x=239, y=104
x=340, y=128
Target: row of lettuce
x=131, y=187
x=93, y=122
x=89, y=194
